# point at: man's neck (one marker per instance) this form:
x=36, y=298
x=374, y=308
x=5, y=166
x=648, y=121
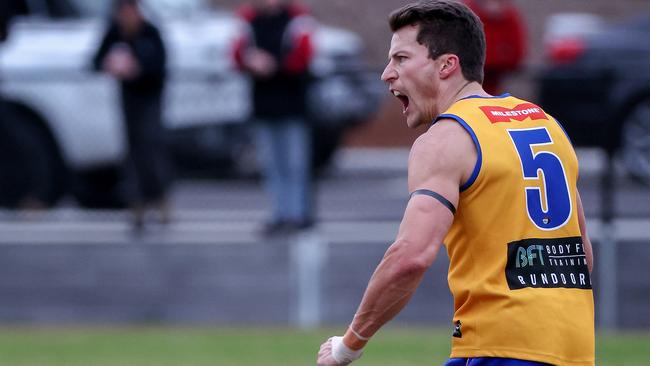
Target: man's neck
x=132, y=31
x=271, y=10
x=458, y=91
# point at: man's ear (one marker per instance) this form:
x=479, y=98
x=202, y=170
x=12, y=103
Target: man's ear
x=449, y=63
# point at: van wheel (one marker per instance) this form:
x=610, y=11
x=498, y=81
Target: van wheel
x=635, y=142
x=32, y=173
x=99, y=188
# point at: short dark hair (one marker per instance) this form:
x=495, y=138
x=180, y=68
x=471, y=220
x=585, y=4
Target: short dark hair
x=446, y=26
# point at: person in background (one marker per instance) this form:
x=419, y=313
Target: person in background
x=505, y=35
x=493, y=180
x=6, y=13
x=133, y=52
x=276, y=50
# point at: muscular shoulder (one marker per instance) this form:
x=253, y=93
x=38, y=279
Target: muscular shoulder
x=445, y=151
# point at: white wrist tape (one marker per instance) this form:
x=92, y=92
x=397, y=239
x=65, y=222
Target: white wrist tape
x=342, y=354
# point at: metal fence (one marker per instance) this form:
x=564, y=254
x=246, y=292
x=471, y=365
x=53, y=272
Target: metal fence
x=210, y=265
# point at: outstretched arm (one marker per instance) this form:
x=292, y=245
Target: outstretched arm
x=440, y=161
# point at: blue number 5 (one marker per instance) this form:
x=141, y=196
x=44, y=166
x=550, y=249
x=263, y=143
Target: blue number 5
x=549, y=166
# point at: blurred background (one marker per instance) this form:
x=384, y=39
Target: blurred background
x=74, y=267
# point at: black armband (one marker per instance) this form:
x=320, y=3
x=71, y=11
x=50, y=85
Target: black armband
x=437, y=196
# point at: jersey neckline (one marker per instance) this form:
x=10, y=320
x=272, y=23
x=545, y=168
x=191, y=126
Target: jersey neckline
x=474, y=96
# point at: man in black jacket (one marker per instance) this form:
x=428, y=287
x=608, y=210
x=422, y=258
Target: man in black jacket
x=132, y=51
x=5, y=16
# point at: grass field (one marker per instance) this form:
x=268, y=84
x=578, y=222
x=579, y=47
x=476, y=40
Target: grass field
x=153, y=346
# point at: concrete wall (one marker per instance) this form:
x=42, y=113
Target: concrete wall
x=237, y=284
x=114, y=283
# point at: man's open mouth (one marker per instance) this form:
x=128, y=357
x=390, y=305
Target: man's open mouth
x=402, y=98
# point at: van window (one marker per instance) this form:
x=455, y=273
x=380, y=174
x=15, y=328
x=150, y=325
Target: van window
x=56, y=9
x=92, y=8
x=59, y=9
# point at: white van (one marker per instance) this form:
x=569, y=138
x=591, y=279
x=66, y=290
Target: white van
x=66, y=127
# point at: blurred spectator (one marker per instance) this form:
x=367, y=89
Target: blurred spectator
x=276, y=52
x=132, y=51
x=6, y=12
x=505, y=35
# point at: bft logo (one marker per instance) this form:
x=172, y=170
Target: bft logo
x=528, y=256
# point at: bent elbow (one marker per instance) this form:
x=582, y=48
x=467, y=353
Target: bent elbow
x=409, y=258
x=406, y=261
x=403, y=264
x=410, y=268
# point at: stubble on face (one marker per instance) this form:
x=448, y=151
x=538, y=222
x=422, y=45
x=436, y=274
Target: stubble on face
x=412, y=77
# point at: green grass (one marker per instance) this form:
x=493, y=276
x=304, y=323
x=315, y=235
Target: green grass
x=158, y=346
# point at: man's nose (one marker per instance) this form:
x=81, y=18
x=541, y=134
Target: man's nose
x=388, y=74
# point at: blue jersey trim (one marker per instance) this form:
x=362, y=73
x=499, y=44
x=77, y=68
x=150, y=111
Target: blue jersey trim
x=491, y=361
x=562, y=127
x=504, y=95
x=479, y=158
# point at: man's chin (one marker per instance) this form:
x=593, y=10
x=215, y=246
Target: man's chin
x=412, y=122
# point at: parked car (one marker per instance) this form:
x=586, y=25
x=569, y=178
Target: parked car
x=597, y=84
x=67, y=125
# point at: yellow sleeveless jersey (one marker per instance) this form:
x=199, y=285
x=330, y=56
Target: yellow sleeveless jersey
x=518, y=271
